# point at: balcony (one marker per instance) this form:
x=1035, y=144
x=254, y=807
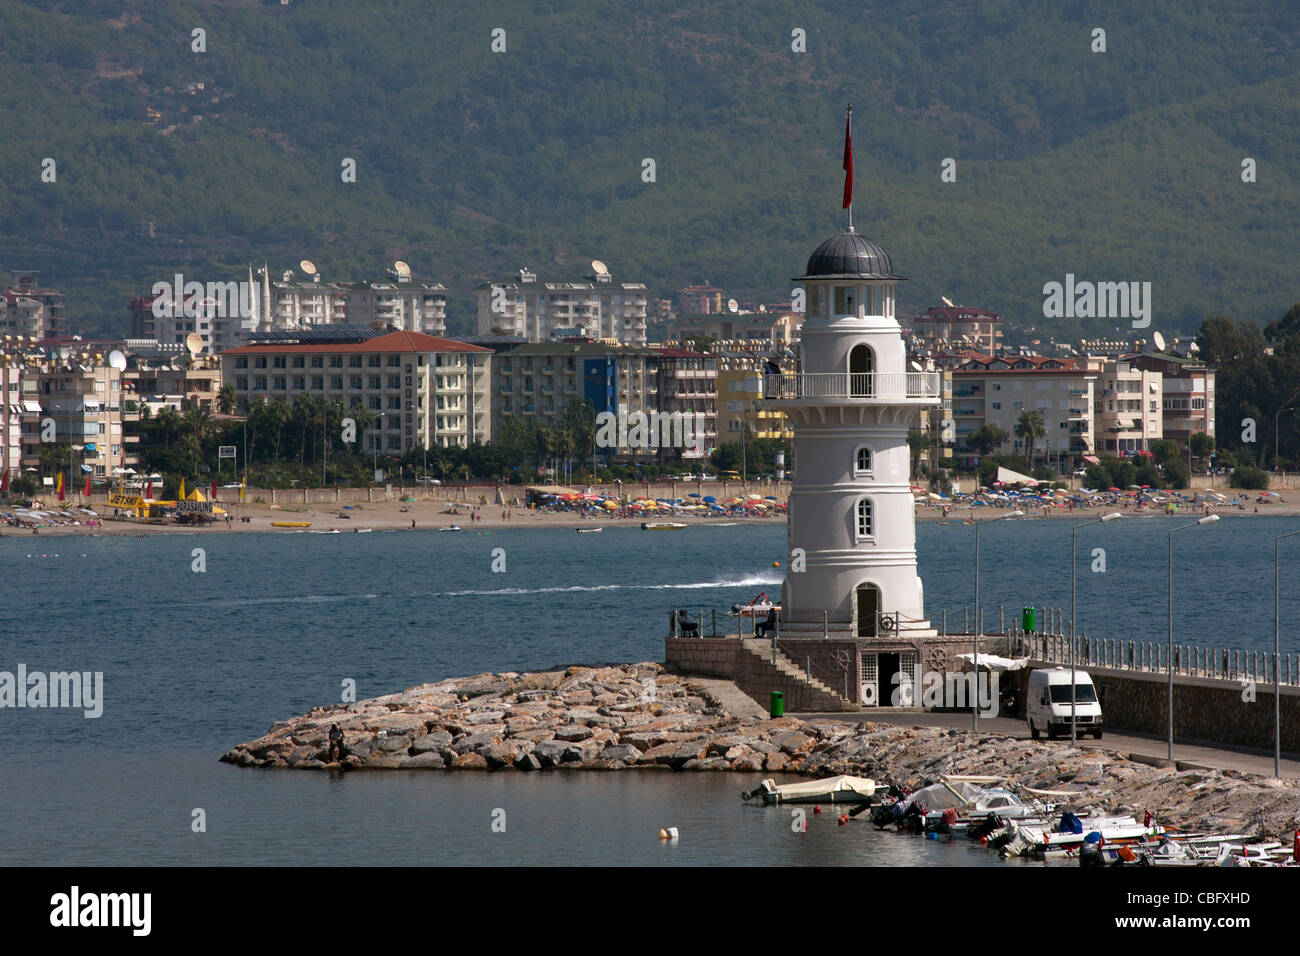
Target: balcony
x=852, y=386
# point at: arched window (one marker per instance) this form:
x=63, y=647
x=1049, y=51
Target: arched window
x=863, y=463
x=861, y=365
x=865, y=526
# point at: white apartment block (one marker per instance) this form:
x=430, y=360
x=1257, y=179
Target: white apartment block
x=1128, y=406
x=998, y=390
x=403, y=303
x=538, y=309
x=420, y=389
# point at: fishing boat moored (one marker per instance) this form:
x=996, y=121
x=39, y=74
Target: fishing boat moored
x=841, y=789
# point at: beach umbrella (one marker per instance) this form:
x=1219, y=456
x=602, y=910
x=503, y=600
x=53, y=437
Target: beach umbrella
x=710, y=498
x=770, y=498
x=694, y=494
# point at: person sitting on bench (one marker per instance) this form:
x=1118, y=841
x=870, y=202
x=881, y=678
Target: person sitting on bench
x=765, y=625
x=684, y=627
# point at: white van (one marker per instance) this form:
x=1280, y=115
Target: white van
x=1047, y=704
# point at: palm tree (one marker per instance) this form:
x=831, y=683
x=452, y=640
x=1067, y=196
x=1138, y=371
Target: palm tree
x=169, y=420
x=1030, y=428
x=199, y=422
x=226, y=399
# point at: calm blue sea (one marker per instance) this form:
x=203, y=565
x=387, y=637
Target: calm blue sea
x=196, y=662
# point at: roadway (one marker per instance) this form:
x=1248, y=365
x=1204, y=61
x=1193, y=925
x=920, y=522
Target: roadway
x=1146, y=748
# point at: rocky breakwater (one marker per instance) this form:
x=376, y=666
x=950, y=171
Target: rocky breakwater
x=589, y=718
x=638, y=716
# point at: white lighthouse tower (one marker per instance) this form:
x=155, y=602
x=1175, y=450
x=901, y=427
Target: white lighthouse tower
x=852, y=537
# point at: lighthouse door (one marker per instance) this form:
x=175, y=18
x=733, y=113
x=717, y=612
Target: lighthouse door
x=868, y=606
x=860, y=369
x=870, y=681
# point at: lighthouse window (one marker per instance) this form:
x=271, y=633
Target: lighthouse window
x=864, y=461
x=864, y=518
x=845, y=300
x=815, y=300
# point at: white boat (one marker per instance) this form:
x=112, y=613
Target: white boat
x=761, y=606
x=661, y=526
x=450, y=528
x=841, y=789
x=588, y=530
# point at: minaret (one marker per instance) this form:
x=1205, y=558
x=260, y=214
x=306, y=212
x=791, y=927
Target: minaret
x=851, y=404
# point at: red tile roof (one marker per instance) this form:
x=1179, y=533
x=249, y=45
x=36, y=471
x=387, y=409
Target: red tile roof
x=391, y=342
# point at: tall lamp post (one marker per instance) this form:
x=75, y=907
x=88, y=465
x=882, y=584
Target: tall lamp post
x=975, y=657
x=374, y=447
x=1208, y=519
x=1277, y=679
x=1074, y=561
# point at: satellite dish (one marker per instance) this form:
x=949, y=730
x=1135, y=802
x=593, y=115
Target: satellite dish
x=117, y=359
x=599, y=267
x=194, y=343
x=308, y=267
x=402, y=269
x=916, y=366
x=1159, y=340
x=1193, y=347
x=733, y=305
x=947, y=301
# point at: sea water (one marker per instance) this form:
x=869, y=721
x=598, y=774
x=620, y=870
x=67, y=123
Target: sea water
x=194, y=662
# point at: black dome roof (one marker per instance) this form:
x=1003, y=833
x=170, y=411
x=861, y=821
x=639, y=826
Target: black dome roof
x=849, y=255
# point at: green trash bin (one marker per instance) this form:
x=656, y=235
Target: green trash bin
x=1028, y=618
x=777, y=707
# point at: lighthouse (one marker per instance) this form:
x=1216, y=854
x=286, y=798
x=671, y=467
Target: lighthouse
x=851, y=532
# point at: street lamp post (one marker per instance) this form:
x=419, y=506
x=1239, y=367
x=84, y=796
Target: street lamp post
x=1277, y=679
x=374, y=447
x=975, y=657
x=1169, y=663
x=1074, y=560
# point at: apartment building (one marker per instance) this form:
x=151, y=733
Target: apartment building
x=960, y=326
x=594, y=306
x=52, y=316
x=289, y=303
x=700, y=300
x=740, y=391
x=162, y=376
x=400, y=302
x=1128, y=406
x=21, y=314
x=537, y=381
x=988, y=389
x=82, y=396
x=418, y=387
x=1187, y=388
x=688, y=384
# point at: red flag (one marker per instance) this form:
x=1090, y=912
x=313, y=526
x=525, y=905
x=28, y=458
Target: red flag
x=60, y=486
x=4, y=481
x=149, y=491
x=848, y=159
x=86, y=492
x=214, y=489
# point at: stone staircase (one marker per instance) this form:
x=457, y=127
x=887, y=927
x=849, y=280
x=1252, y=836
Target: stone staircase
x=759, y=675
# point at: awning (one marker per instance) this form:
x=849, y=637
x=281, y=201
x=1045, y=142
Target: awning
x=1008, y=477
x=32, y=406
x=1092, y=459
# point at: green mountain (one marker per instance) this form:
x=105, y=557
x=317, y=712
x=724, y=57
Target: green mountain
x=1116, y=166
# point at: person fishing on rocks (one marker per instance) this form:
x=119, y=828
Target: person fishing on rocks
x=336, y=743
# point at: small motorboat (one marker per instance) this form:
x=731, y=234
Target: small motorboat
x=841, y=789
x=450, y=528
x=588, y=530
x=661, y=526
x=761, y=606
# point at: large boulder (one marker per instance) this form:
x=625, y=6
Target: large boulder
x=470, y=762
x=550, y=752
x=624, y=753
x=431, y=743
x=429, y=760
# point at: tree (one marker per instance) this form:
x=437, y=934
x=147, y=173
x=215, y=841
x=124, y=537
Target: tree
x=1202, y=445
x=986, y=438
x=226, y=399
x=1177, y=474
x=1163, y=450
x=917, y=441
x=169, y=420
x=1030, y=428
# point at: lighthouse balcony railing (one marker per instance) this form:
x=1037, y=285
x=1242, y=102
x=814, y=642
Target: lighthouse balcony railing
x=879, y=386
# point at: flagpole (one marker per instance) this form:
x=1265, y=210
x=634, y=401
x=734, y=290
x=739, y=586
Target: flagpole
x=848, y=121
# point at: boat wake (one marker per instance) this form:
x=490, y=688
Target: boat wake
x=757, y=580
x=300, y=599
